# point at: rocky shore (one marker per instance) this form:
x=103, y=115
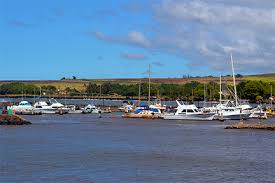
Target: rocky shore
x=12, y=120
x=258, y=126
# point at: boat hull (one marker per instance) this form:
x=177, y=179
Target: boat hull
x=192, y=117
x=234, y=117
x=145, y=116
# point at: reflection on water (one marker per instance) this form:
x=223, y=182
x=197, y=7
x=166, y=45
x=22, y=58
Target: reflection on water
x=84, y=148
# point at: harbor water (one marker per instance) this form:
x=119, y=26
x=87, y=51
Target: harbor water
x=86, y=148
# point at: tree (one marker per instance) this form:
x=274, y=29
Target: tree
x=259, y=98
x=239, y=76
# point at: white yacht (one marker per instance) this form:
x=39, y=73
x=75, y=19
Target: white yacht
x=189, y=112
x=52, y=108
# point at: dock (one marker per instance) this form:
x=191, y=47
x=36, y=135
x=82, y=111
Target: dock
x=254, y=126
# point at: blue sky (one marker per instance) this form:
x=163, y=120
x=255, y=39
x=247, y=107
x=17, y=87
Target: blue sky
x=119, y=39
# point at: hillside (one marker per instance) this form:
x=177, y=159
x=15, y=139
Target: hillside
x=80, y=83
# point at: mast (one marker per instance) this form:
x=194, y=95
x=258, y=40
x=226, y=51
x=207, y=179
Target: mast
x=234, y=81
x=34, y=95
x=149, y=90
x=204, y=94
x=139, y=91
x=192, y=92
x=271, y=97
x=40, y=90
x=22, y=93
x=220, y=89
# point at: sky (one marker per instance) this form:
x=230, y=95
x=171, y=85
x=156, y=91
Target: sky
x=51, y=39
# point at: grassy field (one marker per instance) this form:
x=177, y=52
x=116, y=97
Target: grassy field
x=262, y=78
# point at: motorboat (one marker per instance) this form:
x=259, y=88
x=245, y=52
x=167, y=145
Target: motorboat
x=231, y=113
x=189, y=112
x=91, y=109
x=258, y=112
x=145, y=111
x=53, y=107
x=23, y=106
x=126, y=107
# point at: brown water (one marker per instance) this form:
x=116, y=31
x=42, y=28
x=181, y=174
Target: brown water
x=84, y=148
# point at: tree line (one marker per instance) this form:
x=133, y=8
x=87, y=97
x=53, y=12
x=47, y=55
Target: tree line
x=251, y=90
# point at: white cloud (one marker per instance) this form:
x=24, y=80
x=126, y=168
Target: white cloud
x=206, y=31
x=133, y=38
x=139, y=39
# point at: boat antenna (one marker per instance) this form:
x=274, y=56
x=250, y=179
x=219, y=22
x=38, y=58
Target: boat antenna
x=234, y=81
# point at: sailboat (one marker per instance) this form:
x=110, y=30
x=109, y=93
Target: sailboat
x=231, y=110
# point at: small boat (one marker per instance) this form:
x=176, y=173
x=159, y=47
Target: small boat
x=22, y=107
x=126, y=107
x=91, y=109
x=144, y=112
x=258, y=113
x=189, y=112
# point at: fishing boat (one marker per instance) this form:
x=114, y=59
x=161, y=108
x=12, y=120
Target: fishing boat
x=189, y=112
x=53, y=107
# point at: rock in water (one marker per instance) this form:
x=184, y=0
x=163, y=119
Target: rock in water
x=12, y=120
